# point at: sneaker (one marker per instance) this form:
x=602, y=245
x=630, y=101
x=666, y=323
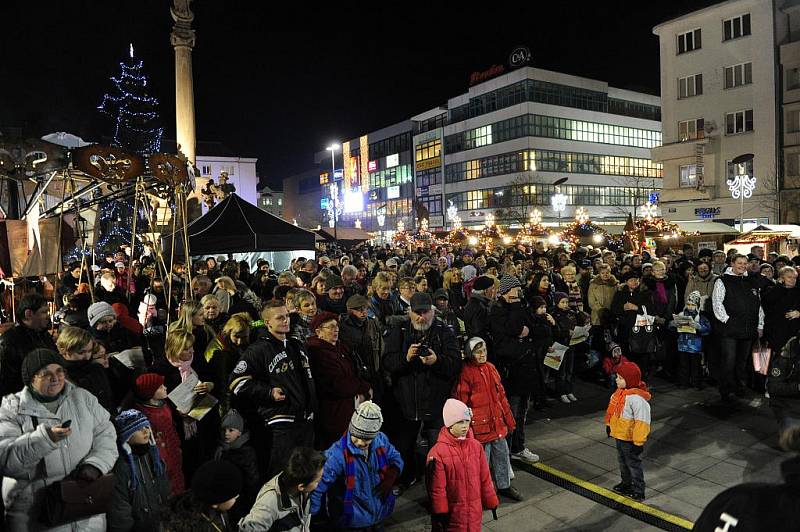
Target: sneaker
x=511, y=493
x=526, y=456
x=622, y=488
x=565, y=399
x=572, y=397
x=636, y=496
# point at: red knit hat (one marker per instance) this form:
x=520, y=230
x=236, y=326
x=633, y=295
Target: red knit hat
x=321, y=318
x=147, y=384
x=631, y=373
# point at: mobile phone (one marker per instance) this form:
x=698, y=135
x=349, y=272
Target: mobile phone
x=66, y=424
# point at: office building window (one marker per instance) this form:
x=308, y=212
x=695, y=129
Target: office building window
x=428, y=150
x=738, y=75
x=519, y=196
x=691, y=40
x=732, y=170
x=205, y=169
x=691, y=129
x=432, y=203
x=688, y=176
x=429, y=176
x=390, y=177
x=736, y=27
x=739, y=122
x=793, y=78
x=690, y=86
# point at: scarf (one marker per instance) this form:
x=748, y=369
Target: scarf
x=661, y=294
x=350, y=475
x=185, y=368
x=617, y=402
x=243, y=438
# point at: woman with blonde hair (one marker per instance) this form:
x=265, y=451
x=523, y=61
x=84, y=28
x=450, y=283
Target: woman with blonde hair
x=224, y=289
x=305, y=304
x=76, y=347
x=383, y=303
x=192, y=318
x=224, y=351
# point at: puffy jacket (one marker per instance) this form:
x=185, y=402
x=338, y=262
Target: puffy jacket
x=168, y=442
x=337, y=384
x=459, y=482
x=15, y=344
x=479, y=387
x=31, y=460
x=137, y=510
x=273, y=363
x=692, y=342
x=369, y=508
x=633, y=423
x=422, y=390
x=601, y=294
x=276, y=510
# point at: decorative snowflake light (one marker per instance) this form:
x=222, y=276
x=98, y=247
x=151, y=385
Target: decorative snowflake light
x=742, y=185
x=536, y=217
x=650, y=210
x=581, y=215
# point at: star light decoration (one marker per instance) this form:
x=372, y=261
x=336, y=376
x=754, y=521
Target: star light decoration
x=357, y=223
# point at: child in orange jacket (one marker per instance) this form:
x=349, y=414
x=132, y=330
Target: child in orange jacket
x=628, y=421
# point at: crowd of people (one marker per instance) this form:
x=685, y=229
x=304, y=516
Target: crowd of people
x=328, y=389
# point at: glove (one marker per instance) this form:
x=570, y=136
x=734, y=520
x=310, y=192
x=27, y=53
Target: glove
x=88, y=473
x=608, y=431
x=388, y=481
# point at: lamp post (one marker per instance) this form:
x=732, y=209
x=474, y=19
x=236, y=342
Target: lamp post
x=742, y=185
x=332, y=148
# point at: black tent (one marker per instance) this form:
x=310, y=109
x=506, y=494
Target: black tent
x=236, y=226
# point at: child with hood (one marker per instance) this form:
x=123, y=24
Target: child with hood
x=613, y=361
x=141, y=487
x=360, y=472
x=458, y=478
x=151, y=395
x=690, y=342
x=479, y=387
x=235, y=448
x=628, y=421
x=566, y=318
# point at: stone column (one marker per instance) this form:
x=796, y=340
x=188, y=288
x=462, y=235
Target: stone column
x=182, y=39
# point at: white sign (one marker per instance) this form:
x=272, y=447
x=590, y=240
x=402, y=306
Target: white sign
x=707, y=245
x=436, y=221
x=392, y=160
x=434, y=189
x=393, y=192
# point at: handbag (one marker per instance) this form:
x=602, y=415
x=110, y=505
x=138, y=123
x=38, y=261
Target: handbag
x=66, y=501
x=643, y=339
x=761, y=357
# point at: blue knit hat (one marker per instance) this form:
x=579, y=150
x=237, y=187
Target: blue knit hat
x=128, y=423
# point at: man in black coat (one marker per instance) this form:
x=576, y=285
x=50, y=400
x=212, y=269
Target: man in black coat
x=476, y=312
x=421, y=353
x=29, y=333
x=781, y=309
x=626, y=305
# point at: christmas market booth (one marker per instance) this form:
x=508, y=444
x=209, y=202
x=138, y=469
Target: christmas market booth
x=782, y=239
x=236, y=227
x=348, y=237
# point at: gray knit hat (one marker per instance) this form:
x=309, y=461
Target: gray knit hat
x=366, y=421
x=38, y=359
x=98, y=311
x=507, y=282
x=233, y=420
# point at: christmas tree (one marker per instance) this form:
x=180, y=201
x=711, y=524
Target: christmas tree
x=137, y=129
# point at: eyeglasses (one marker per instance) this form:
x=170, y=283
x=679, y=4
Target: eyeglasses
x=49, y=375
x=331, y=327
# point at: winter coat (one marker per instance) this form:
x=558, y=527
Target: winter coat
x=241, y=454
x=633, y=422
x=92, y=378
x=421, y=390
x=275, y=509
x=476, y=317
x=124, y=319
x=365, y=342
x=221, y=357
x=705, y=287
x=168, y=442
x=665, y=310
x=337, y=306
x=337, y=384
x=777, y=301
x=457, y=298
x=692, y=342
x=137, y=510
x=601, y=294
x=627, y=318
x=15, y=344
x=116, y=340
x=479, y=388
x=737, y=305
x=756, y=506
x=369, y=508
x=299, y=327
x=31, y=460
x=459, y=482
x=386, y=311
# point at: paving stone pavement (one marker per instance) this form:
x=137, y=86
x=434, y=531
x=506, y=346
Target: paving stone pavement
x=697, y=448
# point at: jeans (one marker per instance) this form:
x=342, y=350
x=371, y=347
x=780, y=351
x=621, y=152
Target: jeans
x=519, y=409
x=734, y=354
x=499, y=462
x=630, y=465
x=285, y=437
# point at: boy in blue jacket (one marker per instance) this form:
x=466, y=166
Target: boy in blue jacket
x=360, y=472
x=690, y=341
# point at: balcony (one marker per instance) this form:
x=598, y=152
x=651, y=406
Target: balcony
x=687, y=194
x=677, y=150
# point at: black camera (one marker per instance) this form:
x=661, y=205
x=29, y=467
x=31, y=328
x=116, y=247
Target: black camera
x=422, y=350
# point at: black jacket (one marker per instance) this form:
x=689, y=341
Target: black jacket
x=627, y=318
x=15, y=344
x=92, y=378
x=137, y=510
x=742, y=301
x=777, y=301
x=421, y=390
x=116, y=340
x=364, y=342
x=476, y=318
x=783, y=383
x=757, y=506
x=271, y=363
x=671, y=307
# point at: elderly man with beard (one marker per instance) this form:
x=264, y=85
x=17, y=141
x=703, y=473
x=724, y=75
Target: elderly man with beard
x=421, y=353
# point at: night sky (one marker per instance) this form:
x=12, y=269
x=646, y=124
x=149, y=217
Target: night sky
x=281, y=85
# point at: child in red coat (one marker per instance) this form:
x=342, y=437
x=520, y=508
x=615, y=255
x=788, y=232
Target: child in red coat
x=458, y=478
x=150, y=400
x=479, y=387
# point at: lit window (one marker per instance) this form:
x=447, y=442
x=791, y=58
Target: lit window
x=688, y=176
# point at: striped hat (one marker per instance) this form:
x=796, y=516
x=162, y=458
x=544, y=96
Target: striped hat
x=507, y=282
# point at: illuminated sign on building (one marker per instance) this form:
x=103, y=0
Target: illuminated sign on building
x=392, y=160
x=427, y=164
x=338, y=175
x=353, y=201
x=372, y=166
x=323, y=203
x=348, y=169
x=324, y=177
x=393, y=192
x=363, y=157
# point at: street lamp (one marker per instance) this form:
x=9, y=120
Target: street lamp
x=332, y=148
x=559, y=200
x=742, y=185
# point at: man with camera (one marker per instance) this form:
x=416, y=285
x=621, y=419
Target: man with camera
x=421, y=354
